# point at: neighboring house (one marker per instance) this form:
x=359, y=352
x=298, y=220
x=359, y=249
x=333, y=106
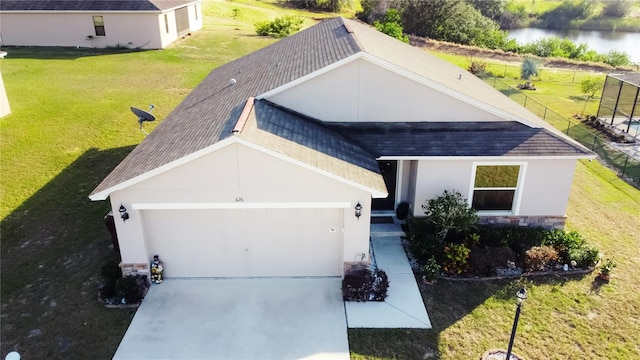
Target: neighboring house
x=145, y=24
x=5, y=109
x=259, y=171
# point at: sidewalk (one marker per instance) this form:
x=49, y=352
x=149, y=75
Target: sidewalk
x=403, y=307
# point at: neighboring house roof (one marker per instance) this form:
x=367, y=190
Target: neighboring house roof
x=92, y=5
x=208, y=114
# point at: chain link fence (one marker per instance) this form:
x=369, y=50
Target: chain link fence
x=627, y=167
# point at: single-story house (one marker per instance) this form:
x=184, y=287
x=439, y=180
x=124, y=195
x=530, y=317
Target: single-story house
x=275, y=163
x=144, y=24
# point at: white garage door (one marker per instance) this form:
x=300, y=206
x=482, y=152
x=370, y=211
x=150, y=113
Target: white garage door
x=246, y=242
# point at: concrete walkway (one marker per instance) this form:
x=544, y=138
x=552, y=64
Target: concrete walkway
x=403, y=307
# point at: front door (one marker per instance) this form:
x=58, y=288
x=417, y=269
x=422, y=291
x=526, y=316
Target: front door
x=389, y=170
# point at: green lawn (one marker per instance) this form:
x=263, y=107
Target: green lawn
x=71, y=124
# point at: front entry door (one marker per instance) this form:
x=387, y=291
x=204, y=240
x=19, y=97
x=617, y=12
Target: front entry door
x=389, y=170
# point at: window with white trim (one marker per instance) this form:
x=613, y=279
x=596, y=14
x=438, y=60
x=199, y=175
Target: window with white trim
x=495, y=187
x=98, y=25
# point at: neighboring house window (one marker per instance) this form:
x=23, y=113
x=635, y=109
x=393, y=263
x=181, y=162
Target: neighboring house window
x=98, y=24
x=166, y=23
x=495, y=187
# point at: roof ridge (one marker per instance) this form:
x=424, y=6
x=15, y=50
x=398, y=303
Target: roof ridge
x=347, y=26
x=244, y=115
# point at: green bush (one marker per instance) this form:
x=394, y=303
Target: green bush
x=584, y=257
x=456, y=258
x=431, y=269
x=423, y=242
x=450, y=212
x=391, y=25
x=282, y=26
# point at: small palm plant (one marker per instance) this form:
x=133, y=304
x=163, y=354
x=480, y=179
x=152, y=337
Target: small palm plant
x=528, y=69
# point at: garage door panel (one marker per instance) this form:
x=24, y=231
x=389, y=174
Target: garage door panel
x=246, y=242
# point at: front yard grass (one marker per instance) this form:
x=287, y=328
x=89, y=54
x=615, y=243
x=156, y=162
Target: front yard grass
x=71, y=124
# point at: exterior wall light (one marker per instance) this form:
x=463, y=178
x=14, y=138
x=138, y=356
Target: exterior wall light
x=124, y=215
x=358, y=210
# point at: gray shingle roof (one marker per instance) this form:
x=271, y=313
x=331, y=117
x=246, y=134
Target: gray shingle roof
x=310, y=142
x=503, y=138
x=209, y=113
x=91, y=5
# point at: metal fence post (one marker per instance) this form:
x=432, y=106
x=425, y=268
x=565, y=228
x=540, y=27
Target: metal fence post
x=544, y=117
x=595, y=138
x=525, y=101
x=624, y=168
x=568, y=126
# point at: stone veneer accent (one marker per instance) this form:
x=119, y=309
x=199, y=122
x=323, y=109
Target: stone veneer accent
x=547, y=222
x=135, y=269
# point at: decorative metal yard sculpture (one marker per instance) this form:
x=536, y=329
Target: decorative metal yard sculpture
x=156, y=270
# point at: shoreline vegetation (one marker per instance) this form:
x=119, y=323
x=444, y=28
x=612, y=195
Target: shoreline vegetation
x=485, y=23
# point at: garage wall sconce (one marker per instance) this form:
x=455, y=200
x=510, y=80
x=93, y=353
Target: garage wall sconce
x=124, y=215
x=358, y=209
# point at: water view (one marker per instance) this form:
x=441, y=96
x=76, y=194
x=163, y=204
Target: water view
x=600, y=41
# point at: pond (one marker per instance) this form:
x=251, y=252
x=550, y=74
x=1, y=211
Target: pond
x=600, y=41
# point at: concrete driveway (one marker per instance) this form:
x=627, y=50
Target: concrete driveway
x=279, y=318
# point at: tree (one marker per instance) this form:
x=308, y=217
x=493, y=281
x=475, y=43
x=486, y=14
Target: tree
x=392, y=25
x=282, y=26
x=589, y=87
x=492, y=9
x=617, y=8
x=528, y=69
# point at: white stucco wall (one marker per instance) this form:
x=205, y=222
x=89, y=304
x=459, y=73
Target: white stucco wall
x=235, y=172
x=545, y=186
x=363, y=91
x=144, y=30
x=5, y=109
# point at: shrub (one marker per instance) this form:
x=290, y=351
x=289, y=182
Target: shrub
x=484, y=261
x=538, y=257
x=518, y=238
x=617, y=58
x=450, y=211
x=456, y=258
x=111, y=271
x=391, y=25
x=282, y=26
x=585, y=256
x=131, y=289
x=380, y=286
x=423, y=241
x=364, y=285
x=478, y=68
x=431, y=269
